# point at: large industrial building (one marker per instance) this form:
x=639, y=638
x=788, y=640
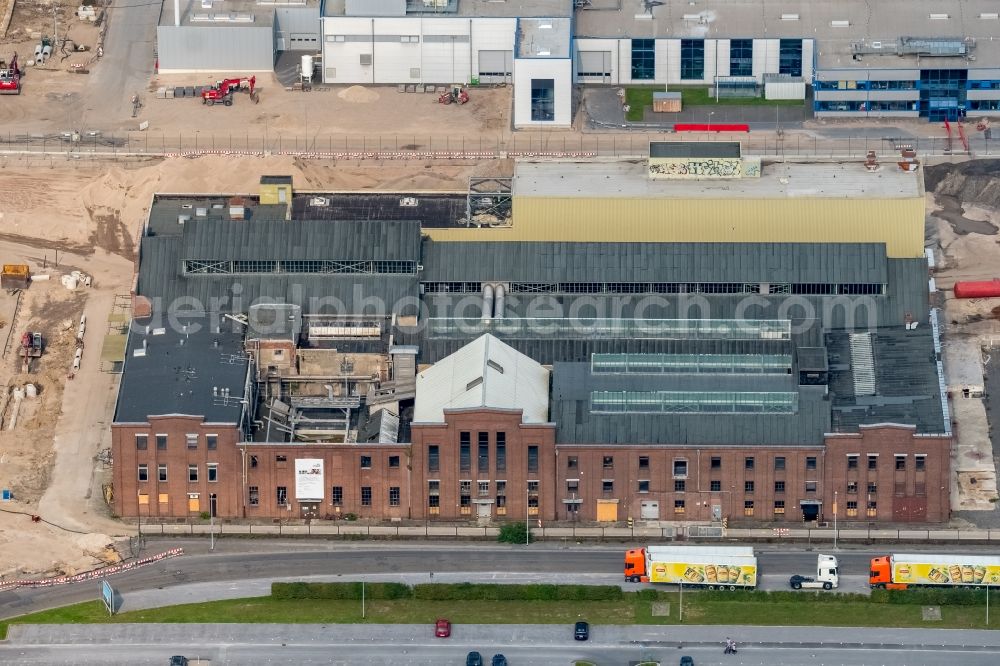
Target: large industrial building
x=894, y=58
x=472, y=356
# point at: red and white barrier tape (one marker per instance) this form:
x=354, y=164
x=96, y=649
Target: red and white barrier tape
x=91, y=575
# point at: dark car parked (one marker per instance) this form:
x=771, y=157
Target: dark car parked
x=499, y=660
x=687, y=661
x=474, y=659
x=581, y=631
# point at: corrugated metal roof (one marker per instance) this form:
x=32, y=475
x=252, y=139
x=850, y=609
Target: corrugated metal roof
x=654, y=262
x=301, y=240
x=484, y=373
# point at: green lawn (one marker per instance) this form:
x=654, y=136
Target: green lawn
x=639, y=97
x=699, y=608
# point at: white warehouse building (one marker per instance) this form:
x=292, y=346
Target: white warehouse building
x=526, y=43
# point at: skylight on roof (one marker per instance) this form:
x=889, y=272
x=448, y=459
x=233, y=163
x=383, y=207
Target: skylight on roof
x=990, y=16
x=939, y=17
x=789, y=17
x=840, y=24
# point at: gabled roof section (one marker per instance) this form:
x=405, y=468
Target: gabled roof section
x=484, y=373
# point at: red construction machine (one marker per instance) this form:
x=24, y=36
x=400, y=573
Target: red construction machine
x=457, y=95
x=223, y=91
x=10, y=77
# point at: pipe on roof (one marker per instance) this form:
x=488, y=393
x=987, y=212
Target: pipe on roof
x=487, y=302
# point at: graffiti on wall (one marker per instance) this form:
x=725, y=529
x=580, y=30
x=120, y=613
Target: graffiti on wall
x=702, y=168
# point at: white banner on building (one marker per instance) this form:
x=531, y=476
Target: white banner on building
x=309, y=479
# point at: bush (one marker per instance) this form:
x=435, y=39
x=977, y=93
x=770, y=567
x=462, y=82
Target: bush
x=931, y=596
x=204, y=515
x=350, y=516
x=514, y=533
x=380, y=591
x=493, y=592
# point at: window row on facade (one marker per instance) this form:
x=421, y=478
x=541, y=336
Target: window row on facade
x=192, y=441
x=692, y=65
x=807, y=289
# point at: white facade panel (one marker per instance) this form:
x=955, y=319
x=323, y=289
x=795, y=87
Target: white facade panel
x=560, y=70
x=206, y=48
x=396, y=62
x=711, y=60
x=672, y=61
x=446, y=62
x=765, y=57
x=808, y=47
x=664, y=61
x=722, y=59
x=982, y=94
x=607, y=48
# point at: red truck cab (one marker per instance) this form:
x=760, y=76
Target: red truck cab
x=635, y=565
x=880, y=574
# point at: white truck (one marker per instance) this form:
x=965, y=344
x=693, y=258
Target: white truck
x=827, y=575
x=722, y=567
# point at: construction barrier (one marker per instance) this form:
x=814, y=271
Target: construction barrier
x=710, y=127
x=94, y=574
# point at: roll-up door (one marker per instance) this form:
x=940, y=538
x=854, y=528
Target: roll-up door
x=594, y=65
x=496, y=66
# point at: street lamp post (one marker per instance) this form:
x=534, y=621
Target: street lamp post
x=527, y=516
x=835, y=520
x=710, y=114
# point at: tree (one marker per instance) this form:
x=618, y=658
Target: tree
x=514, y=533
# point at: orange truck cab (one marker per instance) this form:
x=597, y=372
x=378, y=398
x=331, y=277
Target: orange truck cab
x=635, y=565
x=880, y=574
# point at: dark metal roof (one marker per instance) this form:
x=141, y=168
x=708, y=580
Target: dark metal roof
x=432, y=210
x=179, y=369
x=655, y=262
x=301, y=240
x=906, y=382
x=691, y=149
x=275, y=180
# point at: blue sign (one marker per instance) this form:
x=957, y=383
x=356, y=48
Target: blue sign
x=108, y=596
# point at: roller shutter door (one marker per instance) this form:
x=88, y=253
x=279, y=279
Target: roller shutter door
x=496, y=66
x=594, y=66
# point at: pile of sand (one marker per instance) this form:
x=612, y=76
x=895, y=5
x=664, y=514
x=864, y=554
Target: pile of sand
x=358, y=95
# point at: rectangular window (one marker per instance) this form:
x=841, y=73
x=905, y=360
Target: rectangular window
x=900, y=462
x=337, y=495
x=852, y=487
x=740, y=57
x=779, y=463
x=679, y=485
x=532, y=486
x=899, y=488
x=680, y=469
x=393, y=462
x=852, y=509
x=191, y=440
x=434, y=502
x=872, y=509
x=144, y=472
x=501, y=452
x=693, y=59
x=643, y=462
x=872, y=462
x=811, y=462
x=716, y=462
x=212, y=442
x=533, y=458
x=779, y=486
x=254, y=493
x=484, y=488
x=141, y=442
x=678, y=506
x=483, y=456
x=872, y=487
x=161, y=473
x=790, y=57
x=608, y=462
x=810, y=486
x=254, y=462
x=715, y=486
x=281, y=495
x=465, y=451
x=747, y=507
x=366, y=462
x=607, y=486
x=433, y=458
x=920, y=462
x=779, y=506
x=393, y=495
x=161, y=442
x=852, y=462
x=366, y=495
x=213, y=472
x=572, y=485
x=748, y=462
x=643, y=59
x=163, y=498
x=280, y=459
x=644, y=486
x=543, y=99
x=748, y=486
x=572, y=462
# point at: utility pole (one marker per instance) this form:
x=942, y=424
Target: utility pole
x=835, y=520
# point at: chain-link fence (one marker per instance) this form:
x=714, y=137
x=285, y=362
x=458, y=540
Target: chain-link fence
x=521, y=144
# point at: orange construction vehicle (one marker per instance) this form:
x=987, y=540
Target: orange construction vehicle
x=10, y=77
x=223, y=91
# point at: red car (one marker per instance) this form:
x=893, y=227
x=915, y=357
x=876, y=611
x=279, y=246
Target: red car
x=442, y=628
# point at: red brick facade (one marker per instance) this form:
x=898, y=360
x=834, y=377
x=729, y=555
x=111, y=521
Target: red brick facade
x=394, y=481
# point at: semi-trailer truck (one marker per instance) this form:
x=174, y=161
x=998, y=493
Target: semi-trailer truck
x=899, y=571
x=722, y=567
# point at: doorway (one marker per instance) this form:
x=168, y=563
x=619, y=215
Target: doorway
x=810, y=511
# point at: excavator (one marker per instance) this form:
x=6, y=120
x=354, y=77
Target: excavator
x=10, y=77
x=223, y=91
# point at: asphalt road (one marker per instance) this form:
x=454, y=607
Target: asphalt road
x=412, y=645
x=243, y=561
